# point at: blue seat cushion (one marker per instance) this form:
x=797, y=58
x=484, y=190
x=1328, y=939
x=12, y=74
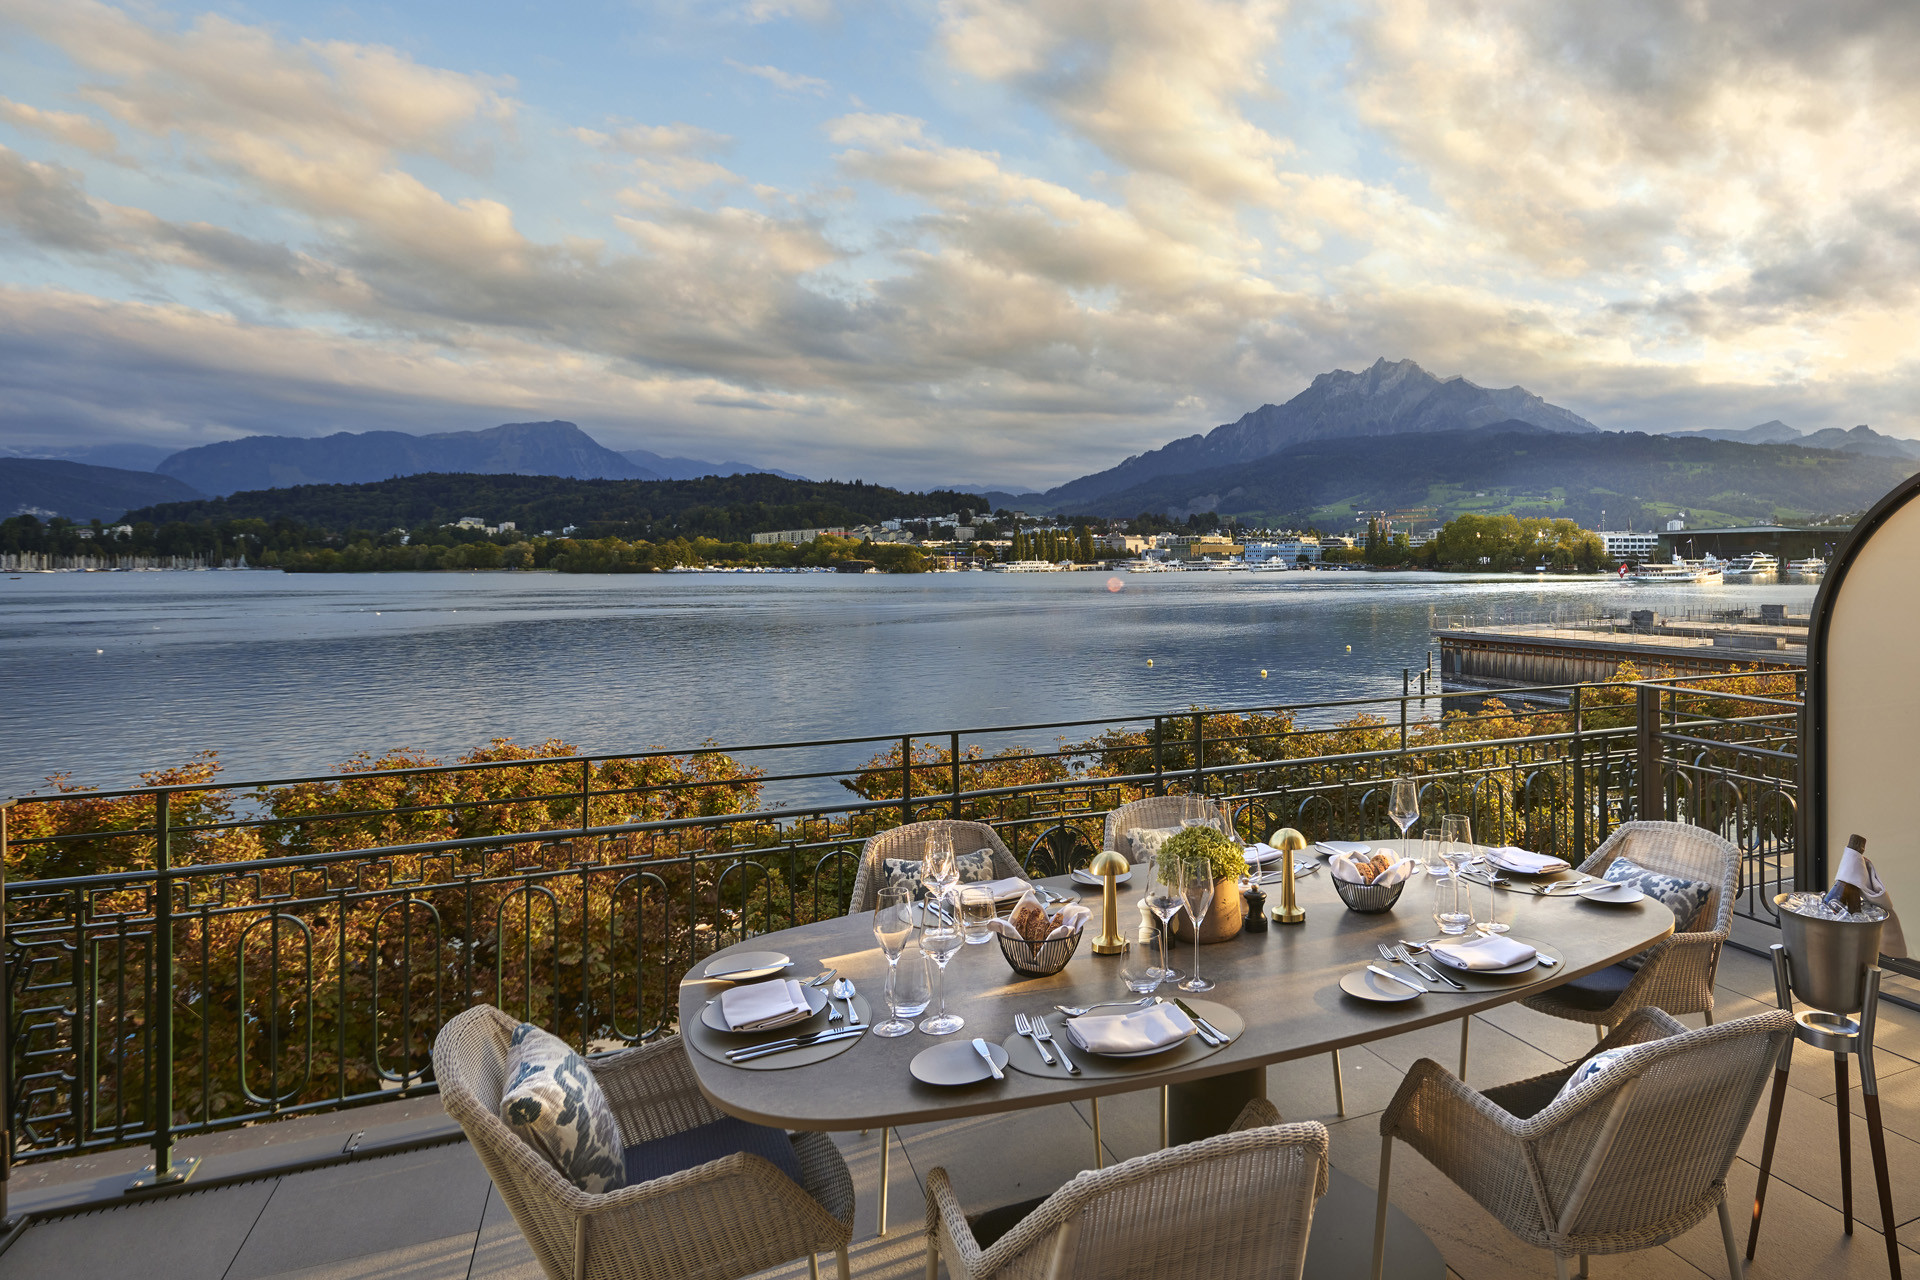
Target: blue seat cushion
x=709, y=1142
x=1595, y=991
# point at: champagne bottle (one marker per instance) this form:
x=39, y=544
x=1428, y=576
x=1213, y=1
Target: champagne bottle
x=1845, y=894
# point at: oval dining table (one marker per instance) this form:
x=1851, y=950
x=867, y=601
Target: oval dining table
x=1284, y=983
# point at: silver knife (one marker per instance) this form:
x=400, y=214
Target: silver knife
x=1394, y=977
x=792, y=1042
x=825, y=1037
x=1206, y=1035
x=1202, y=1023
x=980, y=1047
x=1427, y=971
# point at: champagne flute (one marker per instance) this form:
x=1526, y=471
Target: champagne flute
x=893, y=929
x=940, y=939
x=1164, y=899
x=939, y=870
x=1404, y=807
x=1196, y=891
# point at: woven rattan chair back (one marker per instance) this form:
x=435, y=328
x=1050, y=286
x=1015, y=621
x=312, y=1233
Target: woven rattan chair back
x=1678, y=849
x=908, y=842
x=1154, y=811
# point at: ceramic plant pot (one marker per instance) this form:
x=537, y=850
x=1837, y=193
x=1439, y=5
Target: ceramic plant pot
x=1224, y=917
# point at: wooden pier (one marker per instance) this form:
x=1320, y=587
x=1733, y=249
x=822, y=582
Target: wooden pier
x=1503, y=656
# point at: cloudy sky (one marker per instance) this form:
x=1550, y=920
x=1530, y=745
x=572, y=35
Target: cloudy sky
x=945, y=240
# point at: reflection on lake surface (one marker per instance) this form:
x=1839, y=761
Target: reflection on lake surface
x=103, y=675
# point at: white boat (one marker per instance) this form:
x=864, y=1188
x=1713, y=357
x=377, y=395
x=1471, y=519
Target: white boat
x=1024, y=566
x=1144, y=565
x=1757, y=564
x=1811, y=567
x=1680, y=571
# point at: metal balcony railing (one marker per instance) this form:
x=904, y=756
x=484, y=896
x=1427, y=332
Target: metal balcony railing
x=206, y=954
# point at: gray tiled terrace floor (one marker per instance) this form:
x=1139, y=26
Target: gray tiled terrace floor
x=432, y=1214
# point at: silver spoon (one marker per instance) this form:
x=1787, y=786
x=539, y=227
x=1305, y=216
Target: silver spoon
x=1074, y=1011
x=844, y=990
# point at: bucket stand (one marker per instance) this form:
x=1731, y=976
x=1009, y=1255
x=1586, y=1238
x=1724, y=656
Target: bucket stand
x=1841, y=1034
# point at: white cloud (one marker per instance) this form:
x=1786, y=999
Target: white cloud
x=69, y=127
x=791, y=81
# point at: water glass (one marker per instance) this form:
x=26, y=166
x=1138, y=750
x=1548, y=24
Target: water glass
x=1138, y=970
x=912, y=991
x=976, y=913
x=1452, y=905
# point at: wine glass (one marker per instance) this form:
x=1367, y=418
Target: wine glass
x=939, y=870
x=1404, y=807
x=893, y=930
x=1196, y=891
x=940, y=939
x=1164, y=899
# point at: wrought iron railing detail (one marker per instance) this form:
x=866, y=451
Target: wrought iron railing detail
x=180, y=981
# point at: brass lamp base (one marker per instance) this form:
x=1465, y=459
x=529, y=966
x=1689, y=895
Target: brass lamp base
x=1289, y=915
x=1109, y=947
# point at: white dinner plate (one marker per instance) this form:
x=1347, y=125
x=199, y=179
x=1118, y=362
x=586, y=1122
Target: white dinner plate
x=955, y=1063
x=1354, y=847
x=1611, y=893
x=1504, y=865
x=1081, y=875
x=1522, y=967
x=1364, y=984
x=713, y=1017
x=1260, y=858
x=745, y=966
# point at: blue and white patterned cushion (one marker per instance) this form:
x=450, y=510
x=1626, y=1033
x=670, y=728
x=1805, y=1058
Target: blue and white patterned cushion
x=898, y=873
x=553, y=1102
x=1146, y=841
x=1685, y=898
x=1595, y=1065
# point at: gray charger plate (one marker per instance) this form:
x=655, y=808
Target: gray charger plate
x=1023, y=1057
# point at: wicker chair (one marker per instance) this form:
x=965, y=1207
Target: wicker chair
x=909, y=841
x=1154, y=811
x=1236, y=1205
x=725, y=1219
x=1678, y=973
x=1628, y=1160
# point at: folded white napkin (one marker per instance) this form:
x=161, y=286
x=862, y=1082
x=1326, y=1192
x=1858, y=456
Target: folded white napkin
x=1002, y=890
x=1157, y=1026
x=1488, y=951
x=1346, y=866
x=1331, y=847
x=1857, y=869
x=1262, y=852
x=1606, y=890
x=761, y=1005
x=1073, y=918
x=1521, y=860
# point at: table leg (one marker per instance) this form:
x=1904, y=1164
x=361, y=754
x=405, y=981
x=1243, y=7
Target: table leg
x=886, y=1142
x=1099, y=1149
x=1208, y=1107
x=1843, y=1103
x=1466, y=1024
x=1339, y=1086
x=1163, y=1117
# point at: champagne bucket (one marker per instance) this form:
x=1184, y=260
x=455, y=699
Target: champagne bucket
x=1829, y=959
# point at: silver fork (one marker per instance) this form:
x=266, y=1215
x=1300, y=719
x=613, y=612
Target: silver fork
x=1045, y=1036
x=1022, y=1027
x=1430, y=972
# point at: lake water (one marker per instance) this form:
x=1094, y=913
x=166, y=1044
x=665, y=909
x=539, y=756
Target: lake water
x=105, y=675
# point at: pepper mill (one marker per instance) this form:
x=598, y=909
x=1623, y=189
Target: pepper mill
x=1108, y=865
x=1287, y=841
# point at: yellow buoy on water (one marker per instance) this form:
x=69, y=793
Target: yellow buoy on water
x=1149, y=661
x=1263, y=673
x=1349, y=648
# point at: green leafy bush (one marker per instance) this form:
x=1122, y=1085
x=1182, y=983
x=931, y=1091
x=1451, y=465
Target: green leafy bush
x=1202, y=844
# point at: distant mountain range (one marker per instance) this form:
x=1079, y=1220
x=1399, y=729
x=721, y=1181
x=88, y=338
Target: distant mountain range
x=1520, y=468
x=1386, y=399
x=1862, y=439
x=47, y=487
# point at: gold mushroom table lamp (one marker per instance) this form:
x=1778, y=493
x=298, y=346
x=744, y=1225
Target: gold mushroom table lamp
x=1108, y=865
x=1288, y=842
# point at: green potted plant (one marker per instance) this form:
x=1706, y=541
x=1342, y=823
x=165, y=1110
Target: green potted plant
x=1224, y=858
